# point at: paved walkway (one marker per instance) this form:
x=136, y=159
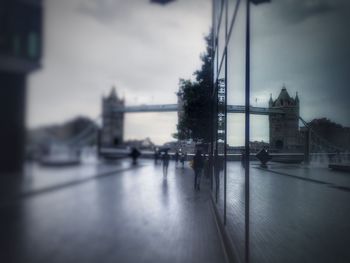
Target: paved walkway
x=297, y=213
x=134, y=215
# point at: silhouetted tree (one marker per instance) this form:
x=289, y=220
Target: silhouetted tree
x=196, y=95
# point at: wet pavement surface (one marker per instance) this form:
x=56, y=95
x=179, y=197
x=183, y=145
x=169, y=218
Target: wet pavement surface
x=297, y=213
x=39, y=179
x=116, y=212
x=109, y=213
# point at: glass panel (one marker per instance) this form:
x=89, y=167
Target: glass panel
x=220, y=141
x=221, y=34
x=236, y=134
x=231, y=7
x=217, y=7
x=298, y=212
x=215, y=20
x=215, y=64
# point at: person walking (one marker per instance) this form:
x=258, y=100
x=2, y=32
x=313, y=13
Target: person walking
x=135, y=153
x=156, y=156
x=182, y=159
x=165, y=160
x=198, y=164
x=176, y=158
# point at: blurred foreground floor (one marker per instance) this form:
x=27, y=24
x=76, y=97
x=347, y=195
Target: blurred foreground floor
x=124, y=214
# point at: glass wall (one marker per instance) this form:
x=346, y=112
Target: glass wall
x=235, y=221
x=229, y=66
x=220, y=102
x=293, y=208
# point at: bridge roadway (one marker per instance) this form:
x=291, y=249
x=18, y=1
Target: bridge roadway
x=174, y=108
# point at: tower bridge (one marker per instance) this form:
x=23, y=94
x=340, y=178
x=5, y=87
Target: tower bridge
x=175, y=108
x=285, y=134
x=283, y=118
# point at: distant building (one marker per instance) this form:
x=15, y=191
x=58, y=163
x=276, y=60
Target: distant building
x=144, y=144
x=112, y=133
x=284, y=128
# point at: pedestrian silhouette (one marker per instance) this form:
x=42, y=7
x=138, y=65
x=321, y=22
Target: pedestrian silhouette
x=134, y=155
x=182, y=159
x=176, y=157
x=156, y=156
x=165, y=160
x=207, y=166
x=198, y=164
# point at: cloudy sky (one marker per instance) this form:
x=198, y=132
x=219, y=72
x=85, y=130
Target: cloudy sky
x=304, y=44
x=143, y=49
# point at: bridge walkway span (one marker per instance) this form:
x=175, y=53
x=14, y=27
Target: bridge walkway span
x=174, y=108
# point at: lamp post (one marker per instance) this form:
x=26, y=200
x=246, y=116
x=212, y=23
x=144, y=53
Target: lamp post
x=247, y=123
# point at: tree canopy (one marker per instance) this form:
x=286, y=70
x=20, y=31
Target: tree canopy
x=194, y=122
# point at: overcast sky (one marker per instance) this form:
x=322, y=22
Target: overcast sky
x=143, y=49
x=304, y=44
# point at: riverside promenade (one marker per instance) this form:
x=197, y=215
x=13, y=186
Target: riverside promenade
x=108, y=212
x=297, y=213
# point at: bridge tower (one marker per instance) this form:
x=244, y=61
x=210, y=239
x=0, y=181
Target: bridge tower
x=284, y=128
x=112, y=122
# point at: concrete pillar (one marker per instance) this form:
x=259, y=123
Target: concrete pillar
x=12, y=119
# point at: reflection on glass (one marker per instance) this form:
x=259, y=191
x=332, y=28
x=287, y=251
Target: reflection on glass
x=299, y=116
x=289, y=212
x=236, y=127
